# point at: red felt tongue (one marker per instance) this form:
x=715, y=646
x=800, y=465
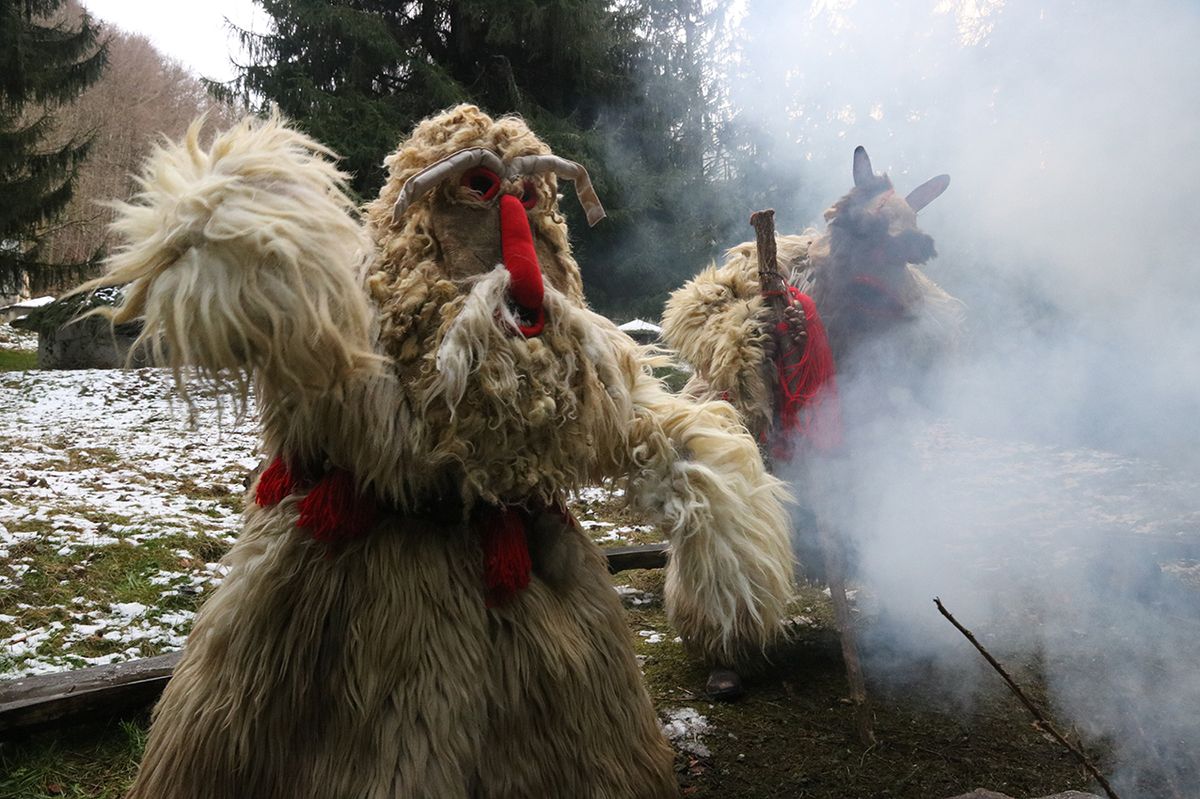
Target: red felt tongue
x=520, y=259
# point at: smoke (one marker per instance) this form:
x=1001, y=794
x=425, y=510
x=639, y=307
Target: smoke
x=1046, y=485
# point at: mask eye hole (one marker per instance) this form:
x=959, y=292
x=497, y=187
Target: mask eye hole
x=529, y=195
x=481, y=182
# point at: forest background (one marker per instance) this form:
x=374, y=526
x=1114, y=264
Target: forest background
x=642, y=92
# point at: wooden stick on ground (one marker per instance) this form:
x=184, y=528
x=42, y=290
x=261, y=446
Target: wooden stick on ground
x=1042, y=722
x=774, y=292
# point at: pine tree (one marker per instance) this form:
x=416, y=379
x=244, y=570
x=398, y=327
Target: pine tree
x=44, y=62
x=358, y=74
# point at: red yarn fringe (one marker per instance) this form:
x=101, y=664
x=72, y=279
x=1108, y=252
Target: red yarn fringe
x=809, y=386
x=335, y=510
x=506, y=562
x=275, y=483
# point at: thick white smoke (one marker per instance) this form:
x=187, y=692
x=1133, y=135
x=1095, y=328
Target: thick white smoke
x=1047, y=486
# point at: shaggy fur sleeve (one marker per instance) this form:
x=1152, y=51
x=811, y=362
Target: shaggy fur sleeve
x=715, y=323
x=243, y=260
x=731, y=571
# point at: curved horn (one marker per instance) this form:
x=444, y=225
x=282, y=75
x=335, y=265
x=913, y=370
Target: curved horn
x=862, y=166
x=927, y=192
x=454, y=164
x=568, y=170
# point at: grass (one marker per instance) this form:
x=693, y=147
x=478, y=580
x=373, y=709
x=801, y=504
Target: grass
x=77, y=586
x=17, y=360
x=96, y=761
x=793, y=735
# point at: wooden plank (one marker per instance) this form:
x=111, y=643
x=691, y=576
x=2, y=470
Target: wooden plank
x=100, y=690
x=646, y=556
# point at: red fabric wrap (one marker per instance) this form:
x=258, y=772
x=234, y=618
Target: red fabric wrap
x=506, y=562
x=275, y=483
x=335, y=509
x=520, y=259
x=808, y=384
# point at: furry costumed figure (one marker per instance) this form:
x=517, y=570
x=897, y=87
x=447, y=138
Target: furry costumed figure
x=410, y=611
x=862, y=274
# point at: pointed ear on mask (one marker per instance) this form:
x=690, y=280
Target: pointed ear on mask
x=863, y=172
x=927, y=192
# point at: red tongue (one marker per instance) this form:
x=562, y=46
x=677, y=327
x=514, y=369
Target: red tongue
x=520, y=259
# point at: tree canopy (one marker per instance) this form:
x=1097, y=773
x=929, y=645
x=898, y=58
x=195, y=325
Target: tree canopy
x=44, y=62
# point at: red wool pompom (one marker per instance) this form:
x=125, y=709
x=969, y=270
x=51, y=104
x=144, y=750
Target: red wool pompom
x=810, y=400
x=335, y=509
x=275, y=483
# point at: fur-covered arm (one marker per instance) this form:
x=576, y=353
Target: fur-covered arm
x=243, y=261
x=731, y=571
x=716, y=323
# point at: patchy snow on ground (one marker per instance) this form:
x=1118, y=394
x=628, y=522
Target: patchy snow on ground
x=116, y=506
x=684, y=728
x=94, y=463
x=12, y=338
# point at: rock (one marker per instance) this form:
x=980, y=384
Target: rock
x=983, y=793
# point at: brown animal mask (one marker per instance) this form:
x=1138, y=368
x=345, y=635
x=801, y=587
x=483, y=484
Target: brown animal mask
x=484, y=179
x=877, y=230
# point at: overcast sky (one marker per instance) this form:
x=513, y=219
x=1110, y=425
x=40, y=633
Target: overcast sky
x=191, y=31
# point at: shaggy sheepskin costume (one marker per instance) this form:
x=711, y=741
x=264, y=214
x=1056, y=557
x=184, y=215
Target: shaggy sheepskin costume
x=862, y=274
x=410, y=611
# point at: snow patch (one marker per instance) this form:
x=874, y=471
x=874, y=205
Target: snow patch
x=684, y=727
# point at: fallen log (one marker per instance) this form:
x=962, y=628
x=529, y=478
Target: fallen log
x=136, y=684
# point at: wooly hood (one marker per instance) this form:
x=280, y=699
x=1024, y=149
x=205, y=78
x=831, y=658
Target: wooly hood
x=516, y=401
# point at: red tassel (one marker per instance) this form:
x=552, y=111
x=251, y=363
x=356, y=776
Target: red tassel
x=506, y=563
x=810, y=400
x=275, y=483
x=335, y=509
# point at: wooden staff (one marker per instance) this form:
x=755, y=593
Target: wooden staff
x=787, y=329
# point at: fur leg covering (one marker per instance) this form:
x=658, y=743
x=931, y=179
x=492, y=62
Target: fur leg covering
x=731, y=571
x=244, y=258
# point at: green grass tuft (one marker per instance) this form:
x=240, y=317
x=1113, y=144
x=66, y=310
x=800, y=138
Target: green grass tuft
x=17, y=360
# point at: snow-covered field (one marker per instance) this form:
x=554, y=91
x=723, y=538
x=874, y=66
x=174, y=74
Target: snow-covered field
x=16, y=339
x=110, y=501
x=115, y=510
